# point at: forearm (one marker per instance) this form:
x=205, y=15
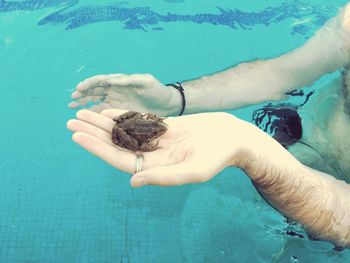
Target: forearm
x=255, y=82
x=318, y=201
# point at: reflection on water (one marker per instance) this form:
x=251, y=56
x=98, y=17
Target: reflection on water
x=73, y=15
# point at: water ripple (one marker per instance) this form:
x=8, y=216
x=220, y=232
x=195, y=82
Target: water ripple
x=6, y=6
x=144, y=18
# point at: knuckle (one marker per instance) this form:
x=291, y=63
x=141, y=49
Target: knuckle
x=140, y=92
x=202, y=179
x=148, y=77
x=201, y=176
x=104, y=112
x=115, y=76
x=96, y=78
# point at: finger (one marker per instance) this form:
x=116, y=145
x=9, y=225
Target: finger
x=83, y=101
x=116, y=157
x=112, y=113
x=73, y=105
x=101, y=107
x=76, y=95
x=346, y=17
x=168, y=176
x=127, y=80
x=95, y=81
x=96, y=91
x=81, y=126
x=96, y=119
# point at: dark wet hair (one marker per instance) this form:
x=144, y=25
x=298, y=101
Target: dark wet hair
x=282, y=120
x=283, y=123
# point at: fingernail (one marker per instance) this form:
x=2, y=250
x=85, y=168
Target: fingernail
x=138, y=182
x=73, y=105
x=80, y=86
x=75, y=95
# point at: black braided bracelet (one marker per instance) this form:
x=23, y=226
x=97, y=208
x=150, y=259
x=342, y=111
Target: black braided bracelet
x=179, y=87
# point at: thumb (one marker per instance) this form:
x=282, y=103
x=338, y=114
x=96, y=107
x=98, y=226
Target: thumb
x=168, y=175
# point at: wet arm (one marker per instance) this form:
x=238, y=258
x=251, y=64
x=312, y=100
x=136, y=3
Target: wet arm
x=317, y=200
x=255, y=82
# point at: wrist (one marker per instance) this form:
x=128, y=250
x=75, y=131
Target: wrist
x=246, y=144
x=176, y=101
x=259, y=155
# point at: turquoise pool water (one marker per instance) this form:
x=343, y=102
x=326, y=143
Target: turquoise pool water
x=58, y=203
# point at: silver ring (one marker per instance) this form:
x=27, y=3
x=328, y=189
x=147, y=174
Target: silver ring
x=138, y=162
x=103, y=97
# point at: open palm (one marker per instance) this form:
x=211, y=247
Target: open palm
x=194, y=149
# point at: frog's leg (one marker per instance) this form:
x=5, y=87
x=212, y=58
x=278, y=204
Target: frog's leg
x=115, y=137
x=127, y=115
x=124, y=140
x=149, y=146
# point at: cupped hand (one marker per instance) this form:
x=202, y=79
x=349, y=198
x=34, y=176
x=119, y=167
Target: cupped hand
x=137, y=92
x=194, y=149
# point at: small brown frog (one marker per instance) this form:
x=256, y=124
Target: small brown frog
x=136, y=131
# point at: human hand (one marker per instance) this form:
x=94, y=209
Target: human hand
x=137, y=92
x=194, y=149
x=345, y=18
x=197, y=147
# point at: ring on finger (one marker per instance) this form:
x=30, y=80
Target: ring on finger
x=103, y=97
x=139, y=162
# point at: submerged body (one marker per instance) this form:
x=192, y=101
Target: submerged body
x=301, y=182
x=326, y=127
